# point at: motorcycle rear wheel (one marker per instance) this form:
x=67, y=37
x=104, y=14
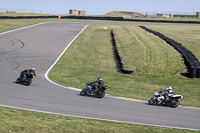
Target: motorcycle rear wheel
x=28, y=81
x=174, y=103
x=100, y=94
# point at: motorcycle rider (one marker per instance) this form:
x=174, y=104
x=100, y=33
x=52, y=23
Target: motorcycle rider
x=97, y=86
x=27, y=73
x=166, y=95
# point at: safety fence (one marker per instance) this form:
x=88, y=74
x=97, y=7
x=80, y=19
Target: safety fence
x=124, y=68
x=192, y=63
x=99, y=18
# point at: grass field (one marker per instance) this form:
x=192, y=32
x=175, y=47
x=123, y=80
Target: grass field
x=100, y=61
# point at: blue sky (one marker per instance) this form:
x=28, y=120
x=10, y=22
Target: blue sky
x=102, y=7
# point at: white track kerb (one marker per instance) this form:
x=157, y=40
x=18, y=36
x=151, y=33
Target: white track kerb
x=47, y=73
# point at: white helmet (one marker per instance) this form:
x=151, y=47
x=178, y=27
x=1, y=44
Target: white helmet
x=33, y=68
x=169, y=88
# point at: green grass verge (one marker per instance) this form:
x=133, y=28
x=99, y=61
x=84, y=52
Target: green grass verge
x=157, y=64
x=11, y=24
x=21, y=121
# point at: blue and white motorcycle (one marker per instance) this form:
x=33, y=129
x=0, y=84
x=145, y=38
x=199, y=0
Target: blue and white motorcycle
x=165, y=99
x=91, y=91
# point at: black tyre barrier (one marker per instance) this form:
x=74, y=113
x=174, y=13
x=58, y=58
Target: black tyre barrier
x=99, y=18
x=192, y=63
x=124, y=69
x=26, y=17
x=198, y=72
x=192, y=72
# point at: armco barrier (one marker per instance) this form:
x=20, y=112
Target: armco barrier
x=192, y=63
x=100, y=18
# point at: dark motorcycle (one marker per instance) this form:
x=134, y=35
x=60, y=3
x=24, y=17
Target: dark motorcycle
x=169, y=100
x=25, y=78
x=89, y=91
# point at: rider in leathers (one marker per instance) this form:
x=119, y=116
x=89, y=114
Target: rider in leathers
x=97, y=86
x=26, y=73
x=166, y=95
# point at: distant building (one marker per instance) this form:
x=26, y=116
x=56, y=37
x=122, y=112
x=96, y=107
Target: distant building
x=10, y=11
x=164, y=16
x=198, y=14
x=184, y=16
x=77, y=13
x=82, y=13
x=175, y=16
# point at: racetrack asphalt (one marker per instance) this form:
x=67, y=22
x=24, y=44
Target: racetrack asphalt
x=39, y=46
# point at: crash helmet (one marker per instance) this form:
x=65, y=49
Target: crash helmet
x=33, y=68
x=169, y=87
x=99, y=78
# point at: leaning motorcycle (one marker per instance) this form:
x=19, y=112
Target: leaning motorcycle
x=89, y=91
x=169, y=100
x=25, y=79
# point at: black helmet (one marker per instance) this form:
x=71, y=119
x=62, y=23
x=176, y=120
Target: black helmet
x=99, y=78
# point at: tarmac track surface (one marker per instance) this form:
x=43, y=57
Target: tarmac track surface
x=39, y=46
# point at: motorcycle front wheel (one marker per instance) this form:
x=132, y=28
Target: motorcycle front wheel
x=152, y=101
x=83, y=92
x=17, y=80
x=174, y=103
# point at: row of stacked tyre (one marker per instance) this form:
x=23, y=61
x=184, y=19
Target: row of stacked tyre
x=124, y=68
x=99, y=18
x=192, y=63
x=26, y=17
x=64, y=17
